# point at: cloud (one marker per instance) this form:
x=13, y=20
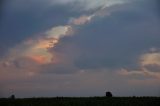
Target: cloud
x=151, y=59
x=102, y=50
x=110, y=56
x=38, y=49
x=148, y=66
x=81, y=20
x=59, y=32
x=143, y=74
x=88, y=5
x=36, y=19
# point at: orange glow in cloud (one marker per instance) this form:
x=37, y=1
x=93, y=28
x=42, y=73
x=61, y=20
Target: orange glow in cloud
x=46, y=44
x=37, y=49
x=39, y=59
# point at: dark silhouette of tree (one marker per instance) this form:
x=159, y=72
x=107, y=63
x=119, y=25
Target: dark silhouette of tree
x=109, y=94
x=12, y=97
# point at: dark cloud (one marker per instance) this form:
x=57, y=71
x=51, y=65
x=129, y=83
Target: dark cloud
x=117, y=40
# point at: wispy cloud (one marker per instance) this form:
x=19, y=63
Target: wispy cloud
x=81, y=20
x=88, y=5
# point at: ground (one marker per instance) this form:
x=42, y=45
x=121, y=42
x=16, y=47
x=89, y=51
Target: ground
x=83, y=101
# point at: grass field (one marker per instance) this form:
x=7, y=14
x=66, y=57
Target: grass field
x=83, y=101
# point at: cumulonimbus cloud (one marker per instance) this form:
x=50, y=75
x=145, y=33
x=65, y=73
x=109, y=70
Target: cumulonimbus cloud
x=38, y=49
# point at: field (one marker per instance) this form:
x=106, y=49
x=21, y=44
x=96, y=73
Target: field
x=83, y=101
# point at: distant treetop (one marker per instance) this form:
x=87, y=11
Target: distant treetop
x=109, y=94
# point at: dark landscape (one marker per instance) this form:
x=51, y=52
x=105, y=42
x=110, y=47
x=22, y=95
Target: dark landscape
x=79, y=52
x=83, y=101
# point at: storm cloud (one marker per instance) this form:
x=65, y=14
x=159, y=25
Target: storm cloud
x=65, y=46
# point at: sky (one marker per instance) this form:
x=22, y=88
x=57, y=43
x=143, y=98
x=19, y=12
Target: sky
x=79, y=48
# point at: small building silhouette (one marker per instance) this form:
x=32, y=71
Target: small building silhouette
x=109, y=94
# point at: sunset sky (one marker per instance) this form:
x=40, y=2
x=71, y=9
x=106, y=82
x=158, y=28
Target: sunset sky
x=79, y=48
